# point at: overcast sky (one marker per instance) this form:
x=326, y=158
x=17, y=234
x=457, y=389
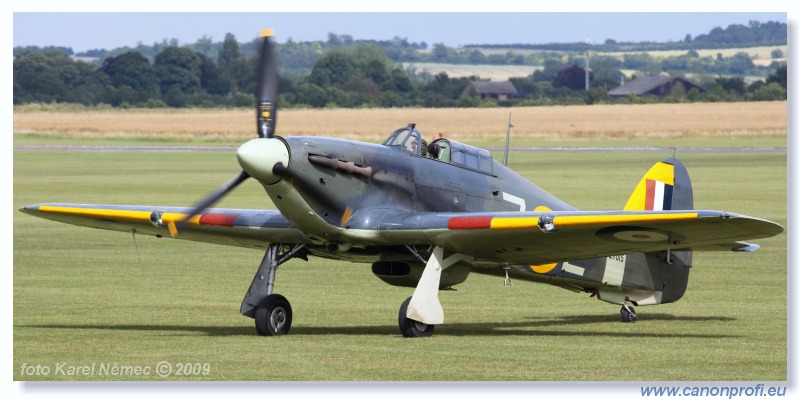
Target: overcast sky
x=92, y=30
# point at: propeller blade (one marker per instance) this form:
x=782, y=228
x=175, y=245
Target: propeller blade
x=212, y=198
x=267, y=90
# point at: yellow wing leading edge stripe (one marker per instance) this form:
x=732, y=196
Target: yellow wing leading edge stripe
x=125, y=215
x=577, y=221
x=506, y=223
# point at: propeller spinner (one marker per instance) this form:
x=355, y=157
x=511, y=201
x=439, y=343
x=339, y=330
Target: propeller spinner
x=250, y=156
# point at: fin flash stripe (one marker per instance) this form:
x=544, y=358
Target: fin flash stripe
x=661, y=177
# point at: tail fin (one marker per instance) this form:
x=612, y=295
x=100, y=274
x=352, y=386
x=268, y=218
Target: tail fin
x=666, y=186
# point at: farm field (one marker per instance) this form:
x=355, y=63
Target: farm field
x=754, y=124
x=485, y=71
x=759, y=54
x=83, y=296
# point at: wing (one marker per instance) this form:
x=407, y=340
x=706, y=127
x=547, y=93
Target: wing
x=546, y=237
x=236, y=227
x=502, y=238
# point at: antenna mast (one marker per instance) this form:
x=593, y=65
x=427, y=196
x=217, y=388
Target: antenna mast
x=586, y=70
x=508, y=139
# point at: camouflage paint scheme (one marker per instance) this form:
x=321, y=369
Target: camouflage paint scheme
x=426, y=216
x=393, y=198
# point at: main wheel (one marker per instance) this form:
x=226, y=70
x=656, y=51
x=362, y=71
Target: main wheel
x=273, y=316
x=628, y=314
x=410, y=327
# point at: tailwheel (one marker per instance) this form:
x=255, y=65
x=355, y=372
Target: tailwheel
x=410, y=327
x=628, y=314
x=273, y=316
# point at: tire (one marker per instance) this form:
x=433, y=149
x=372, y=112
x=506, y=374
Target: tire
x=628, y=314
x=410, y=327
x=273, y=316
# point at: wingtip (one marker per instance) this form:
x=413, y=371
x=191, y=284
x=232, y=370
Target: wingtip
x=29, y=209
x=748, y=247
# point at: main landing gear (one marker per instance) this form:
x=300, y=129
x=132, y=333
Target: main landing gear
x=419, y=313
x=628, y=314
x=272, y=312
x=410, y=327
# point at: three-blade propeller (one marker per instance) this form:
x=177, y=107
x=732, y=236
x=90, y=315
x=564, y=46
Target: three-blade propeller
x=266, y=113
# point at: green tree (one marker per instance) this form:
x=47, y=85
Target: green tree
x=551, y=68
x=180, y=68
x=334, y=68
x=740, y=64
x=232, y=64
x=134, y=71
x=37, y=77
x=399, y=82
x=573, y=77
x=212, y=79
x=205, y=45
x=175, y=97
x=51, y=76
x=779, y=76
x=441, y=53
x=735, y=85
x=311, y=94
x=375, y=70
x=769, y=92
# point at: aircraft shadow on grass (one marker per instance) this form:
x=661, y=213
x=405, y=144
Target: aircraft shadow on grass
x=532, y=327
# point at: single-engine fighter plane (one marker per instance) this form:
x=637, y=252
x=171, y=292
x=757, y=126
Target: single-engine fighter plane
x=425, y=217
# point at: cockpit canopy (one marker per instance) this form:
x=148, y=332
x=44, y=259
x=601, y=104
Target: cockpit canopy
x=452, y=152
x=407, y=138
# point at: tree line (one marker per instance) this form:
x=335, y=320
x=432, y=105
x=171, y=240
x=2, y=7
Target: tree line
x=754, y=34
x=350, y=73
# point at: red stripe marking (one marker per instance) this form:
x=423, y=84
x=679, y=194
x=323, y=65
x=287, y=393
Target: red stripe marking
x=484, y=222
x=651, y=194
x=222, y=220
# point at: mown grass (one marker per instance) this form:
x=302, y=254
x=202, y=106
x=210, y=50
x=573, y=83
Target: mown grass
x=83, y=296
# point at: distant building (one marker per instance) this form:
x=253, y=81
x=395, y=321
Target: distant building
x=659, y=86
x=499, y=90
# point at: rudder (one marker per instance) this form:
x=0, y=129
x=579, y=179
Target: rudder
x=666, y=186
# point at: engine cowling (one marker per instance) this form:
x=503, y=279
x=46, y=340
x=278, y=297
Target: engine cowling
x=407, y=274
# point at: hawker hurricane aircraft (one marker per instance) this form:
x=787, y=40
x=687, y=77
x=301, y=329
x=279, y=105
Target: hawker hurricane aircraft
x=426, y=216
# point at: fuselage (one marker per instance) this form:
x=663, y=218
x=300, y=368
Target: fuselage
x=344, y=194
x=402, y=181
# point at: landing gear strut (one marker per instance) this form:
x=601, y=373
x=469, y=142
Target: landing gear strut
x=423, y=310
x=272, y=312
x=628, y=314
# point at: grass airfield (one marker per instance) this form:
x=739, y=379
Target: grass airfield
x=84, y=296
